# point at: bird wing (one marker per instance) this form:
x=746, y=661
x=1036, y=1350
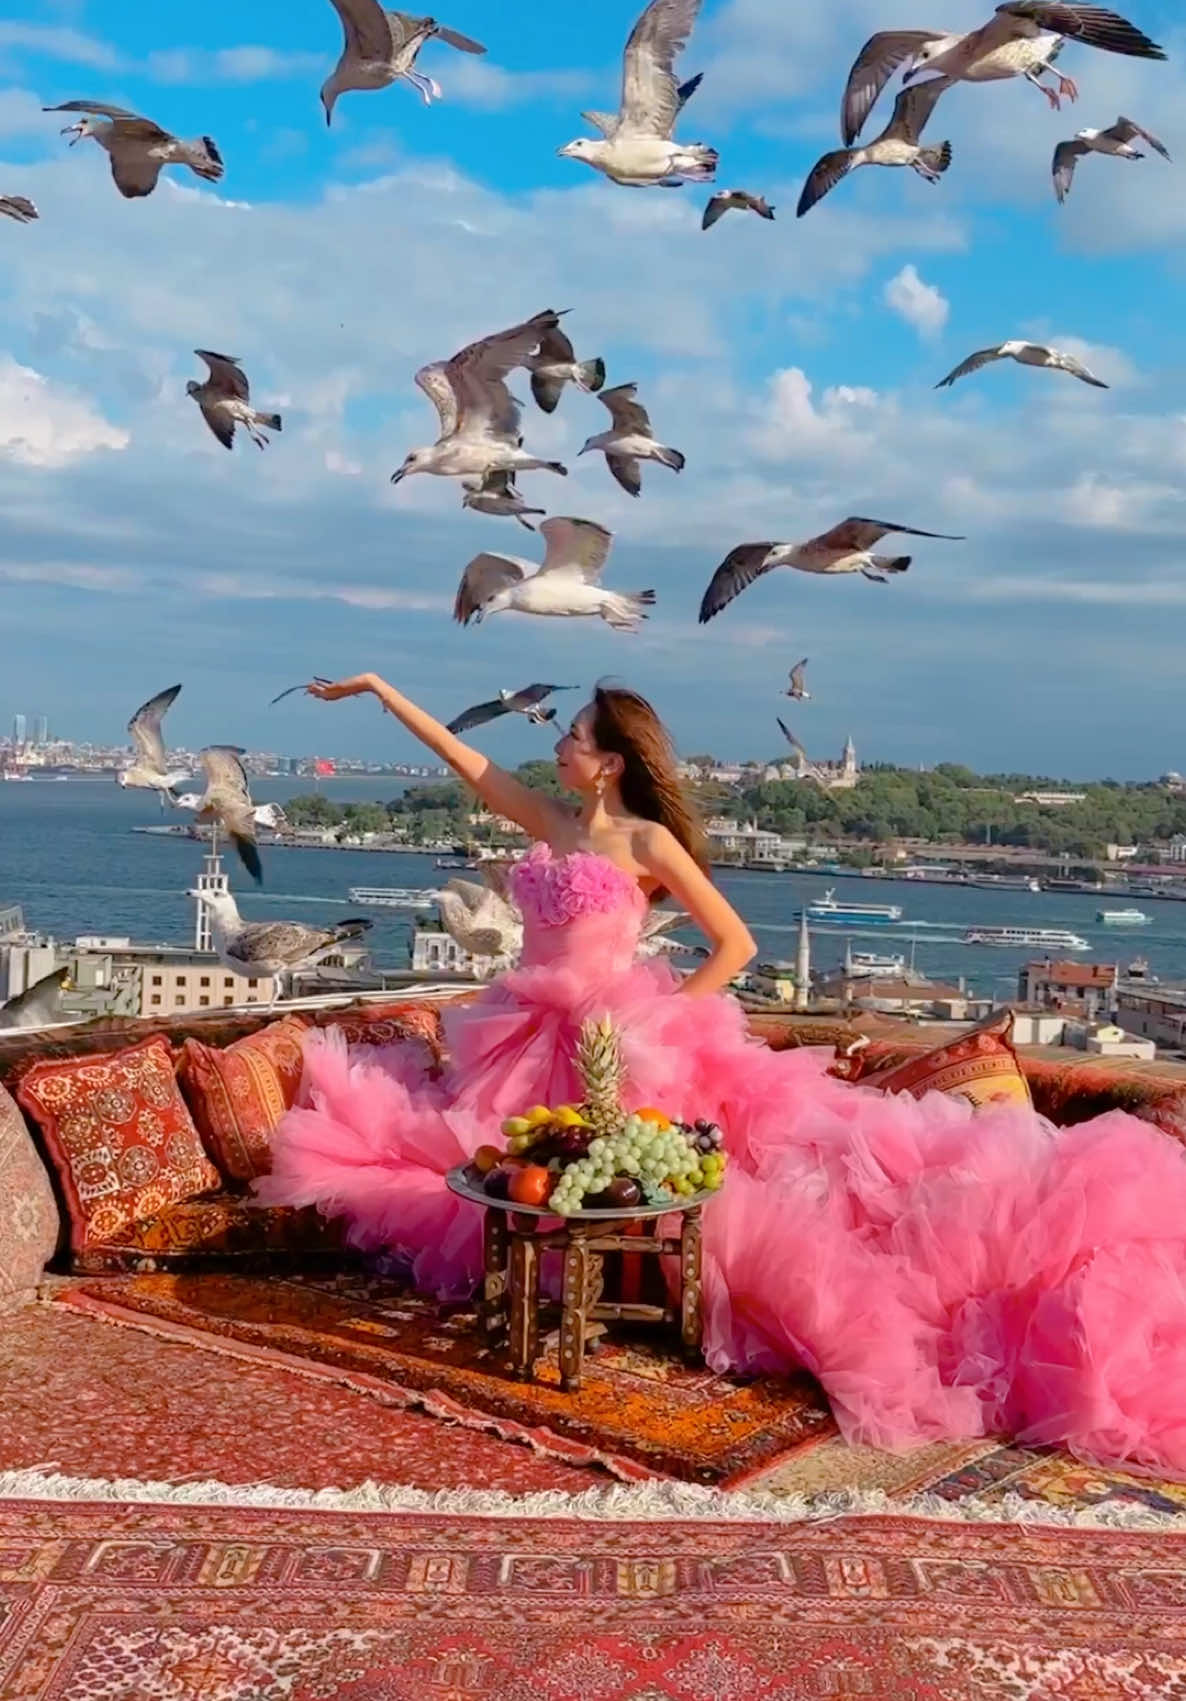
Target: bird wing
x=99, y=107
x=218, y=419
x=367, y=29
x=532, y=694
x=437, y=383
x=134, y=170
x=663, y=921
x=478, y=715
x=145, y=728
x=913, y=107
x=287, y=942
x=606, y=122
x=823, y=177
x=575, y=546
x=477, y=373
x=650, y=94
x=228, y=799
x=875, y=64
x=798, y=675
x=716, y=209
x=555, y=347
x=738, y=570
x=1076, y=368
x=789, y=735
x=18, y=207
x=1094, y=26
x=481, y=921
x=1063, y=165
x=627, y=469
x=974, y=362
x=485, y=575
x=1125, y=130
x=463, y=43
x=857, y=533
x=627, y=414
x=226, y=375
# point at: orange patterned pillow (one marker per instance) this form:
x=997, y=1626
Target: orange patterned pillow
x=980, y=1066
x=239, y=1093
x=119, y=1135
x=385, y=1024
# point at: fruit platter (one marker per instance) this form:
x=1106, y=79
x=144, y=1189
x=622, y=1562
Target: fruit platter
x=593, y=1159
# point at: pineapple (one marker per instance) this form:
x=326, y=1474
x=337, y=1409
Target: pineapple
x=599, y=1061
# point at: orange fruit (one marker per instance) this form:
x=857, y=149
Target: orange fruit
x=649, y=1113
x=531, y=1185
x=485, y=1159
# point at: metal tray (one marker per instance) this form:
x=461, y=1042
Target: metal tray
x=467, y=1184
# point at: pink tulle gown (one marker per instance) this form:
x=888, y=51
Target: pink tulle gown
x=943, y=1272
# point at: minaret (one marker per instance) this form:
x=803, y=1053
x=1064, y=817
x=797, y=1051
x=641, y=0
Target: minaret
x=803, y=964
x=212, y=879
x=850, y=758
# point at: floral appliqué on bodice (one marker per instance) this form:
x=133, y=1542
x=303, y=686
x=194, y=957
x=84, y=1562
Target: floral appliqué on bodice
x=554, y=890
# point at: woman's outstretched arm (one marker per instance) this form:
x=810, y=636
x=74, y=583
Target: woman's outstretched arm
x=664, y=858
x=537, y=814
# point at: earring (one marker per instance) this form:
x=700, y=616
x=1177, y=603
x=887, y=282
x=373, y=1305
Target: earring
x=600, y=783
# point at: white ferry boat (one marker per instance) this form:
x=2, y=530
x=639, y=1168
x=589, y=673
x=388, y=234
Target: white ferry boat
x=1027, y=938
x=829, y=908
x=1123, y=918
x=394, y=897
x=867, y=965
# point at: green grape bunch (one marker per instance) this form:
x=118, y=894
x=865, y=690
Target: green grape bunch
x=666, y=1163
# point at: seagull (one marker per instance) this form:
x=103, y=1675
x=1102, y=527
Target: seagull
x=789, y=736
x=847, y=548
x=479, y=416
x=1026, y=354
x=637, y=148
x=568, y=583
x=1022, y=39
x=227, y=802
x=381, y=48
x=739, y=199
x=1117, y=140
x=496, y=494
x=798, y=686
x=555, y=365
x=138, y=148
x=150, y=770
x=225, y=401
x=18, y=207
x=270, y=948
x=263, y=814
x=39, y=1005
x=607, y=122
x=898, y=144
x=524, y=702
x=631, y=439
x=482, y=921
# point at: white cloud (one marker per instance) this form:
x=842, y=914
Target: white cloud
x=58, y=43
x=231, y=65
x=44, y=425
x=921, y=304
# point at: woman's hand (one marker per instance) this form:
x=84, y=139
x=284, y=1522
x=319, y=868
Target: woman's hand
x=329, y=691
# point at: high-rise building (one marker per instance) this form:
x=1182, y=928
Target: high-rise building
x=41, y=731
x=19, y=729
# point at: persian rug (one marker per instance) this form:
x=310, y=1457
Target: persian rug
x=639, y=1413
x=167, y=1602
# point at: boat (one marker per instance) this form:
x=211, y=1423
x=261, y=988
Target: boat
x=451, y=862
x=1007, y=882
x=1123, y=918
x=1027, y=938
x=867, y=965
x=394, y=897
x=830, y=908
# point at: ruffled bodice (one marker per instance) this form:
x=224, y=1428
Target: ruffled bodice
x=577, y=907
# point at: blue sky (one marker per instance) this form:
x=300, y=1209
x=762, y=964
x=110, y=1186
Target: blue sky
x=792, y=362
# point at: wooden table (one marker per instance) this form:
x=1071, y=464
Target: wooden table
x=515, y=1237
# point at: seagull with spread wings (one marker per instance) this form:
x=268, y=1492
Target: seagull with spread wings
x=260, y=949
x=18, y=207
x=1026, y=354
x=149, y=769
x=735, y=200
x=496, y=493
x=227, y=802
x=225, y=400
x=479, y=417
x=630, y=440
x=482, y=921
x=555, y=365
x=898, y=144
x=1021, y=39
x=137, y=148
x=637, y=148
x=847, y=548
x=1116, y=140
x=381, y=48
x=798, y=684
x=567, y=585
x=526, y=702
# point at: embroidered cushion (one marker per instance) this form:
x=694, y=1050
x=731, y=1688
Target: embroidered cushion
x=981, y=1066
x=238, y=1094
x=119, y=1136
x=29, y=1223
x=219, y=1230
x=385, y=1024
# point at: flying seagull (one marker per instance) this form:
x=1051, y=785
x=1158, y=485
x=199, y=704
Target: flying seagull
x=496, y=494
x=789, y=736
x=525, y=702
x=1026, y=354
x=268, y=948
x=263, y=814
x=898, y=144
x=556, y=365
x=1117, y=140
x=149, y=770
x=637, y=148
x=798, y=686
x=18, y=207
x=483, y=922
x=39, y=1005
x=478, y=415
x=847, y=548
x=568, y=583
x=739, y=199
x=225, y=401
x=630, y=440
x=1022, y=39
x=138, y=148
x=227, y=802
x=381, y=47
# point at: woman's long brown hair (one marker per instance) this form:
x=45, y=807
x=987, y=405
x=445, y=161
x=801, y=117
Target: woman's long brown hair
x=625, y=725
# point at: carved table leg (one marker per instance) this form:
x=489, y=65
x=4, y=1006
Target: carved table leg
x=494, y=1285
x=572, y=1320
x=691, y=1320
x=524, y=1276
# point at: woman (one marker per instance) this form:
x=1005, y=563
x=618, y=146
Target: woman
x=943, y=1272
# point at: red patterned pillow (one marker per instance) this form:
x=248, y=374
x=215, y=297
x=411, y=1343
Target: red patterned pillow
x=980, y=1066
x=119, y=1135
x=239, y=1093
x=384, y=1024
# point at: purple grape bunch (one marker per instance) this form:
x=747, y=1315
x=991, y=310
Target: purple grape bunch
x=703, y=1136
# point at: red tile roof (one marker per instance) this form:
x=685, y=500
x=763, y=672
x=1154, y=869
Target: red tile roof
x=1074, y=974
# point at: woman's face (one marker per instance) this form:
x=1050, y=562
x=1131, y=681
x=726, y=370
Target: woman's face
x=578, y=760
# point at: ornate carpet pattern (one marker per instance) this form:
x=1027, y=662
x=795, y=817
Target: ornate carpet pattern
x=639, y=1413
x=179, y=1603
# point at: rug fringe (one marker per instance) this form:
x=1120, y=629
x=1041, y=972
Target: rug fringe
x=636, y=1502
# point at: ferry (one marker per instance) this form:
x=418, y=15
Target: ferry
x=394, y=897
x=1123, y=918
x=1027, y=938
x=867, y=965
x=1007, y=882
x=830, y=908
